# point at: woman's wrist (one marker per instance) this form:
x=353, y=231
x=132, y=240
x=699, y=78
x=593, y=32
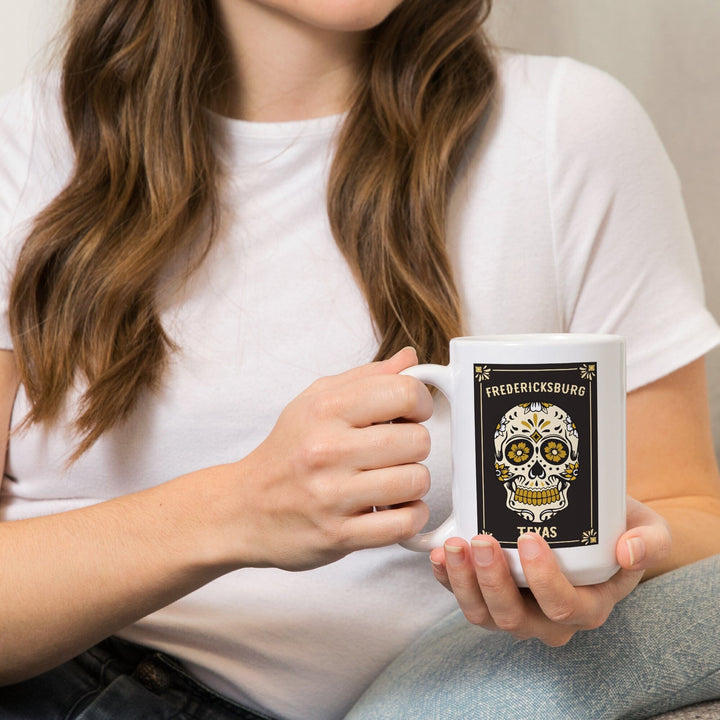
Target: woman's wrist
x=208, y=506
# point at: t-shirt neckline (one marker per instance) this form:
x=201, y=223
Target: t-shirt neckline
x=240, y=130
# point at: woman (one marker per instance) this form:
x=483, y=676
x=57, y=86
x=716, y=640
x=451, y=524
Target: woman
x=177, y=282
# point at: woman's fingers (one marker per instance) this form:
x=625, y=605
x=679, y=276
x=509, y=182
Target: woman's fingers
x=559, y=600
x=437, y=562
x=553, y=592
x=334, y=446
x=388, y=486
x=502, y=597
x=486, y=592
x=373, y=393
x=383, y=446
x=380, y=399
x=384, y=527
x=647, y=540
x=464, y=582
x=646, y=543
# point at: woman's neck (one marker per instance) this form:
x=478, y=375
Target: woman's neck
x=283, y=68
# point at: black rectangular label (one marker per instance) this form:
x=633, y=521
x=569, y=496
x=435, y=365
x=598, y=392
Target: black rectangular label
x=536, y=452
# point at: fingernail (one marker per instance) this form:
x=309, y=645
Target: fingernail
x=454, y=555
x=636, y=549
x=529, y=546
x=482, y=551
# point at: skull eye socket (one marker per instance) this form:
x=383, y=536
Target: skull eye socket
x=554, y=451
x=517, y=452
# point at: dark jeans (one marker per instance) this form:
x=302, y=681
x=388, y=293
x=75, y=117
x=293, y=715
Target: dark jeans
x=117, y=680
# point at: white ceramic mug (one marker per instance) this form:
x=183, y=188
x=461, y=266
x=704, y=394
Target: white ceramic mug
x=538, y=445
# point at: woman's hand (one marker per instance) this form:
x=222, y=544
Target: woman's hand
x=551, y=609
x=305, y=496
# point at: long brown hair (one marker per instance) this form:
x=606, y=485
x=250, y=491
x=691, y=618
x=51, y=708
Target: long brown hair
x=137, y=75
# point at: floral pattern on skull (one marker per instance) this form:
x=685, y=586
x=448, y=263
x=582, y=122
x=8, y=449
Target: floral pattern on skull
x=536, y=459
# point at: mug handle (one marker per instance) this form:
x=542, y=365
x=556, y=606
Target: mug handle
x=441, y=377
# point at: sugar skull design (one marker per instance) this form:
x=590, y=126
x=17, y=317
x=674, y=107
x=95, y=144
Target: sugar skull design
x=536, y=459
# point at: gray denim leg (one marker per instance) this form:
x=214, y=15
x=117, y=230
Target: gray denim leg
x=659, y=650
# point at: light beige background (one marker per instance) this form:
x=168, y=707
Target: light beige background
x=665, y=51
x=25, y=28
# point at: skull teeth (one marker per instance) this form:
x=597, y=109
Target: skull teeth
x=537, y=497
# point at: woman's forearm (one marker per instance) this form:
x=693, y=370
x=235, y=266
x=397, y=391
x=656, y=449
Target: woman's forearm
x=695, y=526
x=71, y=579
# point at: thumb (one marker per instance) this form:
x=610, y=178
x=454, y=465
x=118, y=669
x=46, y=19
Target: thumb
x=647, y=540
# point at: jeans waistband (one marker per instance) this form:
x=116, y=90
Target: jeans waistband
x=165, y=676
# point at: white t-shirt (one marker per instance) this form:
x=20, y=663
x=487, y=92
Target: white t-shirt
x=567, y=216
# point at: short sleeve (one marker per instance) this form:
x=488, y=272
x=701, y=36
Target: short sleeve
x=625, y=254
x=34, y=161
